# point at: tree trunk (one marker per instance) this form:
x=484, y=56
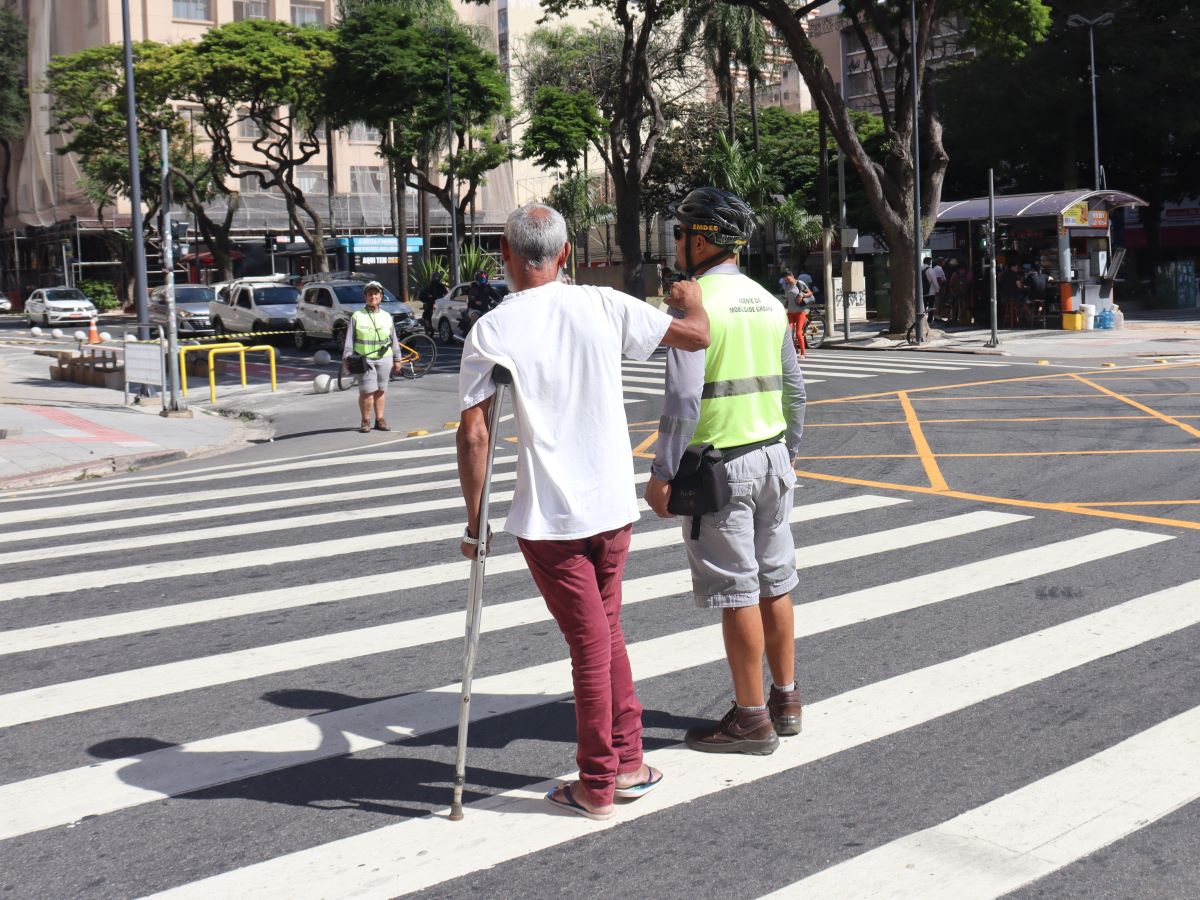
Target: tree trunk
x=629, y=220
x=903, y=278
x=754, y=111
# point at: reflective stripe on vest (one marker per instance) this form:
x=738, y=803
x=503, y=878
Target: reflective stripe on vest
x=371, y=334
x=742, y=401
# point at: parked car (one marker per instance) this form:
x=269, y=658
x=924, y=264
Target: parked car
x=191, y=308
x=5, y=304
x=448, y=310
x=266, y=303
x=326, y=305
x=57, y=305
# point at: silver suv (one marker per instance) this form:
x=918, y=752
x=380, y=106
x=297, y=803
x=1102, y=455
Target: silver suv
x=326, y=304
x=266, y=303
x=191, y=308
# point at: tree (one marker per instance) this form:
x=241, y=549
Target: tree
x=617, y=66
x=391, y=67
x=88, y=106
x=562, y=125
x=881, y=29
x=272, y=75
x=728, y=36
x=14, y=103
x=577, y=198
x=1149, y=110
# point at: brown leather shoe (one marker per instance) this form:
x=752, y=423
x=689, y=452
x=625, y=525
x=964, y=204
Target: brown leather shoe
x=739, y=732
x=785, y=710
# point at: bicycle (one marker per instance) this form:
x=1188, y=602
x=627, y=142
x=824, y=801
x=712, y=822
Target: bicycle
x=418, y=353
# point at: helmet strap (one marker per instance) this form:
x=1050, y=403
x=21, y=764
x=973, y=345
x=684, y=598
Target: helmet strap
x=708, y=263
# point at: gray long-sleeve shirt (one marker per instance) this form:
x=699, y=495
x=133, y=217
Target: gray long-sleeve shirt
x=681, y=405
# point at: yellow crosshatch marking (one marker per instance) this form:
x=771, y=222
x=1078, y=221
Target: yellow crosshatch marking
x=927, y=453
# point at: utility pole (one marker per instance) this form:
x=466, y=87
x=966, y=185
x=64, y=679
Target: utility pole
x=826, y=228
x=177, y=404
x=991, y=256
x=450, y=186
x=140, y=294
x=399, y=211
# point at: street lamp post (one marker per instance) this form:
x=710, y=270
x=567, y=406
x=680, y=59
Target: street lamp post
x=1091, y=25
x=451, y=188
x=916, y=155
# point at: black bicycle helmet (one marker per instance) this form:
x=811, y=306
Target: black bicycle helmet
x=721, y=216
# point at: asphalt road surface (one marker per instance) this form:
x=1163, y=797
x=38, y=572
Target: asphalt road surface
x=238, y=677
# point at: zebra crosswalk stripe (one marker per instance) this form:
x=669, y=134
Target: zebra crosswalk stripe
x=400, y=859
x=1012, y=841
x=64, y=797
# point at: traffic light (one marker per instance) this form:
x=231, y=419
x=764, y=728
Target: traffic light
x=982, y=242
x=269, y=241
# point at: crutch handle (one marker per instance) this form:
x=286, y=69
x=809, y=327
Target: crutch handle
x=501, y=375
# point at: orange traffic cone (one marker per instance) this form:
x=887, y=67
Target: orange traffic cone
x=93, y=334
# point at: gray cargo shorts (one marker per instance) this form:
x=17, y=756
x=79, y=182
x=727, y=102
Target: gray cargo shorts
x=375, y=378
x=746, y=551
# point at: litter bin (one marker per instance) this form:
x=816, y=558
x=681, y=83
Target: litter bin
x=1089, y=315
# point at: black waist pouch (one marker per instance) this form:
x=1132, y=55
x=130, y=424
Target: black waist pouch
x=700, y=486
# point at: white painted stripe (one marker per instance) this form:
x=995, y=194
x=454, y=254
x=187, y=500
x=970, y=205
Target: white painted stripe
x=135, y=501
x=196, y=514
x=850, y=365
x=201, y=565
x=630, y=379
x=237, y=470
x=814, y=380
x=830, y=373
x=911, y=357
x=71, y=697
x=630, y=389
x=419, y=853
x=41, y=637
x=1032, y=832
x=65, y=797
x=197, y=536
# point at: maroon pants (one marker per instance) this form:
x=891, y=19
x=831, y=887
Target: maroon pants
x=581, y=582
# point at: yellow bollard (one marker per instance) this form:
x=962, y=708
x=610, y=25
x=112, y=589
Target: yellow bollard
x=270, y=351
x=212, y=368
x=183, y=351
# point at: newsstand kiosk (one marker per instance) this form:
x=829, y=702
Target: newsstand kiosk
x=1066, y=234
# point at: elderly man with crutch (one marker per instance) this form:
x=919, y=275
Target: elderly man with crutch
x=574, y=503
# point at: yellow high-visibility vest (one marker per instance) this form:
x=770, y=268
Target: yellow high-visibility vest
x=372, y=333
x=742, y=402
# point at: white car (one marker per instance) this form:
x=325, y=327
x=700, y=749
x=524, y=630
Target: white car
x=326, y=305
x=448, y=309
x=59, y=305
x=5, y=304
x=265, y=303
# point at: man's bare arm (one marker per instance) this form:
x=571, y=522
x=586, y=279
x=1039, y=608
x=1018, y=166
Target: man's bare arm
x=691, y=331
x=473, y=441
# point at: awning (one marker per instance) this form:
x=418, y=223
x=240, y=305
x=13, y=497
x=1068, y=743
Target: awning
x=1028, y=206
x=206, y=258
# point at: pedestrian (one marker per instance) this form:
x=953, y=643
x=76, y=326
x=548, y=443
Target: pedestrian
x=430, y=294
x=795, y=294
x=574, y=501
x=783, y=280
x=372, y=338
x=744, y=395
x=1008, y=293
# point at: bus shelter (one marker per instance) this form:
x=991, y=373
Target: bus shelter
x=1065, y=233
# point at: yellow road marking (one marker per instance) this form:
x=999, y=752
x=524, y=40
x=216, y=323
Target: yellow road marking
x=1146, y=409
x=641, y=450
x=1142, y=503
x=928, y=462
x=1074, y=508
x=1014, y=454
x=890, y=398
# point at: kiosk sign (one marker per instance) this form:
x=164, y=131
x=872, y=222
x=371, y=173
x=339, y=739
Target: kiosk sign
x=1076, y=215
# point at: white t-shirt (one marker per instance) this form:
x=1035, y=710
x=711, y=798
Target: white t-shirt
x=563, y=345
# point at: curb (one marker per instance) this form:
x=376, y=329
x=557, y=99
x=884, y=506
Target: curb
x=109, y=465
x=910, y=348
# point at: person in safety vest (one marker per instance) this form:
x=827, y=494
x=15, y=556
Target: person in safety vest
x=372, y=335
x=743, y=395
x=574, y=503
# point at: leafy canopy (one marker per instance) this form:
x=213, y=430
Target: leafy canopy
x=562, y=125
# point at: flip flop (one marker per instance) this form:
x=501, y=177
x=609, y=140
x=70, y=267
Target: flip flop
x=574, y=806
x=640, y=790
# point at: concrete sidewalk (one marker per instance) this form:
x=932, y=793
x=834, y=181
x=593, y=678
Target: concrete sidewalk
x=52, y=431
x=1151, y=337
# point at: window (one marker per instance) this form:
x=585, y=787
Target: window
x=249, y=184
x=311, y=179
x=192, y=9
x=361, y=133
x=246, y=126
x=250, y=9
x=365, y=180
x=308, y=13
x=243, y=299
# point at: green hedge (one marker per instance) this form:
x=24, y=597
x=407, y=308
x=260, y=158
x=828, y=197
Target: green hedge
x=101, y=293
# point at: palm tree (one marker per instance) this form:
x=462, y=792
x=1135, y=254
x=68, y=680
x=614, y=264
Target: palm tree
x=729, y=36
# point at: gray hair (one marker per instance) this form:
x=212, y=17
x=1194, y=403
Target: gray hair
x=536, y=234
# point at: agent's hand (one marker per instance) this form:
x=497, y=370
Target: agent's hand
x=658, y=495
x=684, y=295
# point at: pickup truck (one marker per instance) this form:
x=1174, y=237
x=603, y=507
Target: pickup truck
x=254, y=304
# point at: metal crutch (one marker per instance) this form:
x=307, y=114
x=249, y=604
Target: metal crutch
x=502, y=379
